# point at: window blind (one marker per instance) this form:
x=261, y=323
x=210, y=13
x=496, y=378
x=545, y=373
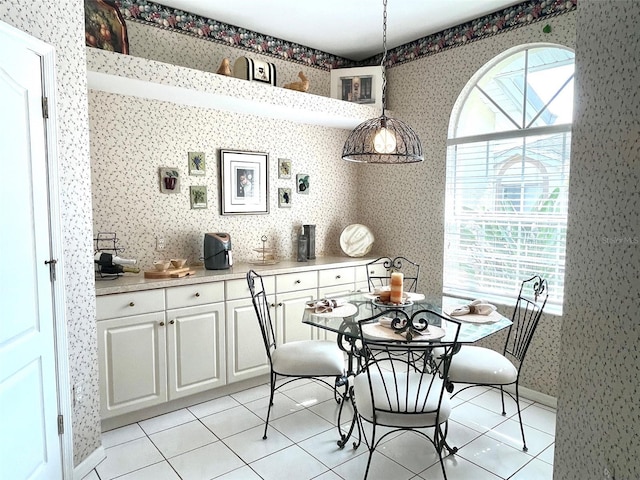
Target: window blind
x=506, y=213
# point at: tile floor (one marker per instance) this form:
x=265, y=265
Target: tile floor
x=222, y=439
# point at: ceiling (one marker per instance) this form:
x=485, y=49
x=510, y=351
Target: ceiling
x=347, y=28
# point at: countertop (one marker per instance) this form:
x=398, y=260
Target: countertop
x=137, y=282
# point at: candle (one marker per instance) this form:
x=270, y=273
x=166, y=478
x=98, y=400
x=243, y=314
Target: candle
x=396, y=287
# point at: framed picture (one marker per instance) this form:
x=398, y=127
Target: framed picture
x=198, y=196
x=169, y=180
x=358, y=85
x=284, y=197
x=302, y=183
x=197, y=164
x=104, y=26
x=244, y=183
x=284, y=168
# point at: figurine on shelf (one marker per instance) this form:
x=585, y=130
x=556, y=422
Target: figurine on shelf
x=301, y=86
x=224, y=68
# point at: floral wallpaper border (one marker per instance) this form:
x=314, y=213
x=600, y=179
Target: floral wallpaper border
x=151, y=13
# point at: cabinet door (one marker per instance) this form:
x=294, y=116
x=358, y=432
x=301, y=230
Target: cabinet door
x=246, y=355
x=290, y=307
x=195, y=349
x=132, y=363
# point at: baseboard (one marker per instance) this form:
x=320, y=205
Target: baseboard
x=89, y=463
x=139, y=415
x=535, y=396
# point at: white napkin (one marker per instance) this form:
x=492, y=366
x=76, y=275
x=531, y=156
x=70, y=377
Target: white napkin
x=326, y=305
x=477, y=307
x=386, y=321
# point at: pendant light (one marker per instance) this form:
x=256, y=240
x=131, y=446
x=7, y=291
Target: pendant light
x=383, y=139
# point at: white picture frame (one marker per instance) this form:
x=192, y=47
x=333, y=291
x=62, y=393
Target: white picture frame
x=362, y=85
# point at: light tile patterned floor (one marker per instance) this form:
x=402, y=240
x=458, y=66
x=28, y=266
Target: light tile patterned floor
x=222, y=439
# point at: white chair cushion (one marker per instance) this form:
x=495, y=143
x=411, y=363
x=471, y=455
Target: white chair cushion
x=364, y=402
x=308, y=357
x=481, y=365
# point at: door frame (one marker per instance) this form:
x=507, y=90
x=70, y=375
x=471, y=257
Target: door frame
x=48, y=68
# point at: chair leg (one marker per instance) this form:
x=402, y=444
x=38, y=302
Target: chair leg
x=524, y=442
x=273, y=389
x=372, y=449
x=442, y=441
x=504, y=412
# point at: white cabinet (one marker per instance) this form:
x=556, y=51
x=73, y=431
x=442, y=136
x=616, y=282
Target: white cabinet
x=293, y=291
x=195, y=349
x=336, y=281
x=152, y=357
x=131, y=352
x=167, y=343
x=246, y=355
x=195, y=338
x=289, y=310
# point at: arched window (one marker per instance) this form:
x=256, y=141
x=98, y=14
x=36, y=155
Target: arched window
x=508, y=176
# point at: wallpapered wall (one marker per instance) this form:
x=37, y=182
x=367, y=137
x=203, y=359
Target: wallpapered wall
x=62, y=27
x=598, y=415
x=132, y=137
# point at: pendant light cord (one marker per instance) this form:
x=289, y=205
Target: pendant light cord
x=384, y=56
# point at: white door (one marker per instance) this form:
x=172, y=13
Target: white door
x=29, y=442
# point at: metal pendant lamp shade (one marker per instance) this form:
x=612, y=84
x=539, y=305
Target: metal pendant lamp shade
x=383, y=139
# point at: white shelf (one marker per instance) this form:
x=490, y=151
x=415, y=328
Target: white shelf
x=139, y=77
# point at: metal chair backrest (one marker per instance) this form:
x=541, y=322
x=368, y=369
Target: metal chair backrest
x=532, y=299
x=379, y=272
x=261, y=306
x=404, y=376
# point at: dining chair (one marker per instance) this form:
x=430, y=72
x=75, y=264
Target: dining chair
x=311, y=359
x=479, y=366
x=379, y=272
x=402, y=385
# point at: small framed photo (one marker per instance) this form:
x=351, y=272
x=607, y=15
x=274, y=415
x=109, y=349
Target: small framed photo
x=169, y=180
x=244, y=183
x=302, y=183
x=358, y=85
x=284, y=168
x=284, y=197
x=197, y=164
x=198, y=196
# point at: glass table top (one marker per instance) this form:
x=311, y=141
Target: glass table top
x=367, y=308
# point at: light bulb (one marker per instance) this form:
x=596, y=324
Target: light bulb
x=384, y=141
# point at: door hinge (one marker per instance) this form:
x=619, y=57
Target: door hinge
x=52, y=268
x=45, y=107
x=60, y=424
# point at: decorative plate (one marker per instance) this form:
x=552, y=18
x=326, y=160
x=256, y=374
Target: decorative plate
x=356, y=240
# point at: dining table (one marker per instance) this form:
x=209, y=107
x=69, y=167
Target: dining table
x=344, y=316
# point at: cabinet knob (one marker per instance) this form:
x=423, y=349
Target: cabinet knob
x=280, y=304
x=172, y=322
x=338, y=277
x=272, y=305
x=162, y=324
x=197, y=294
x=131, y=304
x=298, y=281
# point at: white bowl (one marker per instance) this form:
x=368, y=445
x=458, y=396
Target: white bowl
x=178, y=262
x=161, y=265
